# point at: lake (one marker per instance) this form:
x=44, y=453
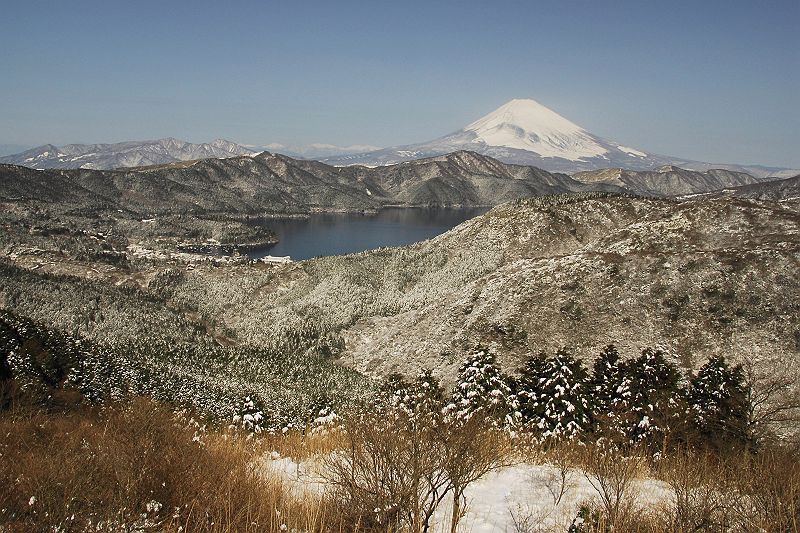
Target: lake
x=345, y=233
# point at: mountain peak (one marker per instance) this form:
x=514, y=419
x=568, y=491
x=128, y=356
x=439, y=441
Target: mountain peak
x=525, y=124
x=527, y=114
x=226, y=145
x=525, y=132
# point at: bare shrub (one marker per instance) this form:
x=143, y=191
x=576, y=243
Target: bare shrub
x=769, y=487
x=390, y=473
x=473, y=448
x=527, y=520
x=774, y=398
x=612, y=475
x=395, y=468
x=702, y=494
x=559, y=480
x=738, y=492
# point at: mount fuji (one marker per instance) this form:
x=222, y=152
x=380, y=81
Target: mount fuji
x=525, y=132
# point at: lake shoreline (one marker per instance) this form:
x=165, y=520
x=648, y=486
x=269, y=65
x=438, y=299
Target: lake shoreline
x=331, y=233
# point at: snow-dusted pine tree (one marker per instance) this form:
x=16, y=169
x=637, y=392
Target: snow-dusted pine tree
x=249, y=417
x=557, y=403
x=481, y=389
x=421, y=401
x=606, y=380
x=527, y=390
x=609, y=389
x=718, y=404
x=653, y=398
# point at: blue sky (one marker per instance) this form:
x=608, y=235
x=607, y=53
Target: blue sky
x=714, y=81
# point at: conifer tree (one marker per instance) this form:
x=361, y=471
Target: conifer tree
x=420, y=402
x=528, y=388
x=249, y=416
x=558, y=404
x=653, y=398
x=481, y=389
x=607, y=380
x=718, y=404
x=610, y=390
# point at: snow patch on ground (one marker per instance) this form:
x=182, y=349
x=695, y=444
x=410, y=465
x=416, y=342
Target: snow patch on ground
x=524, y=495
x=303, y=479
x=518, y=494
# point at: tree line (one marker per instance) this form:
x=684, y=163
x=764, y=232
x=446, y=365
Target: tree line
x=646, y=400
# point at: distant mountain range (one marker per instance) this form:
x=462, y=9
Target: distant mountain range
x=525, y=132
x=124, y=154
x=278, y=184
x=666, y=181
x=318, y=150
x=272, y=183
x=778, y=190
x=522, y=132
x=159, y=152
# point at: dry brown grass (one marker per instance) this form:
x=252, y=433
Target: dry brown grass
x=83, y=467
x=708, y=492
x=613, y=477
x=80, y=467
x=301, y=446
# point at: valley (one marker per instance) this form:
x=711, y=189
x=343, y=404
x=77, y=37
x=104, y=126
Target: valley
x=285, y=377
x=568, y=266
x=399, y=267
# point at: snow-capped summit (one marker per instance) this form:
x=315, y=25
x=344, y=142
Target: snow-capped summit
x=525, y=132
x=525, y=124
x=521, y=131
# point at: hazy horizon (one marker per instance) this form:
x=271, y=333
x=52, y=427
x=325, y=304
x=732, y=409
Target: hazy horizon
x=713, y=82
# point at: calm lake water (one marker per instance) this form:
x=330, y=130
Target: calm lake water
x=337, y=234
